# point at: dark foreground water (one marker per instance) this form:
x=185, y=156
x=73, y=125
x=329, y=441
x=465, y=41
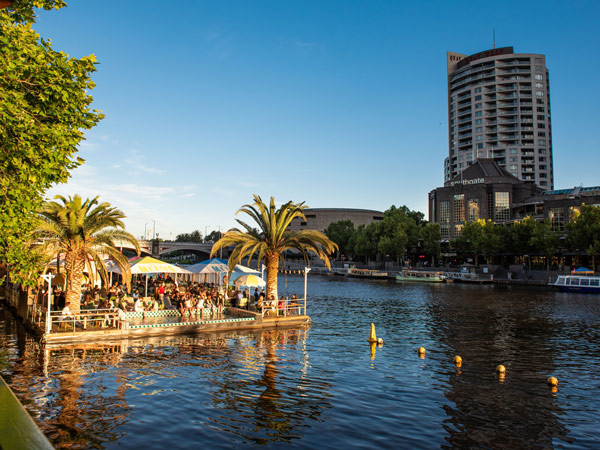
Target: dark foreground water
x=321, y=387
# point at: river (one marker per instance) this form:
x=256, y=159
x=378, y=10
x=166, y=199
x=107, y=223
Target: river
x=322, y=387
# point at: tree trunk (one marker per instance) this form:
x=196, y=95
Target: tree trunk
x=74, y=265
x=272, y=267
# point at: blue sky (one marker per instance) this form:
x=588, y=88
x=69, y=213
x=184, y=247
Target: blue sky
x=335, y=103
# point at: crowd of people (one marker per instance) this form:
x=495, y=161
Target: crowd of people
x=190, y=298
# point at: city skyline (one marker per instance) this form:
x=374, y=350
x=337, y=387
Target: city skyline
x=341, y=107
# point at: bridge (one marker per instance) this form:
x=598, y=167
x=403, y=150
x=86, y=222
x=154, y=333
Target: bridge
x=157, y=248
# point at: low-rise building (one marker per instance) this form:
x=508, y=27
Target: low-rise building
x=485, y=190
x=320, y=218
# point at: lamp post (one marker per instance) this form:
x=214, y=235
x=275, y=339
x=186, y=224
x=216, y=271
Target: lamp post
x=145, y=230
x=48, y=277
x=306, y=270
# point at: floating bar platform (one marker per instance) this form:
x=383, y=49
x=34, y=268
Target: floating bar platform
x=170, y=322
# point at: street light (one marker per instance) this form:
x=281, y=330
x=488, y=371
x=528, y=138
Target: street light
x=48, y=277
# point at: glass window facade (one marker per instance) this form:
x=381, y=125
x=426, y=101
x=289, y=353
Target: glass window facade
x=557, y=218
x=473, y=210
x=501, y=206
x=459, y=207
x=445, y=212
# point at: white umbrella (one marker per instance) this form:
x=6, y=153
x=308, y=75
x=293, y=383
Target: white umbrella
x=250, y=280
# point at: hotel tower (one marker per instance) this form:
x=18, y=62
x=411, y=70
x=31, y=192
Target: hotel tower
x=499, y=109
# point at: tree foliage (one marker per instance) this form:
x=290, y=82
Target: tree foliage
x=583, y=232
x=84, y=232
x=342, y=233
x=44, y=108
x=194, y=236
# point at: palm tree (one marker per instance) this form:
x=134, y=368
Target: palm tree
x=272, y=238
x=84, y=232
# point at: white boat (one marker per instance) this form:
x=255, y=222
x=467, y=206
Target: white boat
x=421, y=276
x=578, y=283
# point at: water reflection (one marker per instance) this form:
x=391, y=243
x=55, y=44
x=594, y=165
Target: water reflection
x=324, y=386
x=496, y=410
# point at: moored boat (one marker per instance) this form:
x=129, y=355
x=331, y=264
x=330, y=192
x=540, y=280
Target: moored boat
x=367, y=273
x=421, y=276
x=578, y=283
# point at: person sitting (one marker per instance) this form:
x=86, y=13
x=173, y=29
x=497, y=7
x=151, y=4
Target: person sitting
x=66, y=316
x=138, y=306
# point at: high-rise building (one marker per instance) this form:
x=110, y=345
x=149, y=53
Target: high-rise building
x=499, y=109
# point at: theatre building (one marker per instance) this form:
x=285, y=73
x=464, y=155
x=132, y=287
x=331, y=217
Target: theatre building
x=485, y=190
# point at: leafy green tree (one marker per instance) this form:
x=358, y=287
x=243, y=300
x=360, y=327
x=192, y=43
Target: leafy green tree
x=213, y=236
x=530, y=237
x=399, y=230
x=432, y=241
x=272, y=238
x=521, y=238
x=481, y=237
x=545, y=241
x=341, y=233
x=583, y=232
x=44, y=108
x=194, y=236
x=365, y=241
x=84, y=232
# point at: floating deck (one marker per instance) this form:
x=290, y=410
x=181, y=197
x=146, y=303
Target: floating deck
x=165, y=323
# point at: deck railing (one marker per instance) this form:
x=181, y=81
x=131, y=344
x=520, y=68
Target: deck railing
x=291, y=307
x=85, y=320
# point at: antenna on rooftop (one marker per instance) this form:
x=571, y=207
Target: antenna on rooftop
x=494, y=36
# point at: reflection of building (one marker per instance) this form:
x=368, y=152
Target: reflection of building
x=320, y=218
x=485, y=190
x=499, y=108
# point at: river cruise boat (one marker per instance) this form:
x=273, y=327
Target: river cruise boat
x=421, y=276
x=578, y=283
x=367, y=273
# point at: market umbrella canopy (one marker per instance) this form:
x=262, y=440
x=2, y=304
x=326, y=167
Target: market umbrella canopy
x=240, y=270
x=148, y=264
x=250, y=280
x=214, y=265
x=582, y=271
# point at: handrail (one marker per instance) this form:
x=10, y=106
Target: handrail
x=289, y=309
x=104, y=317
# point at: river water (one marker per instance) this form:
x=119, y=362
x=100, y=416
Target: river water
x=322, y=386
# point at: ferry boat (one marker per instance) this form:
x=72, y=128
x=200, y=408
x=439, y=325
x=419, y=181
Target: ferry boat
x=421, y=276
x=367, y=273
x=578, y=283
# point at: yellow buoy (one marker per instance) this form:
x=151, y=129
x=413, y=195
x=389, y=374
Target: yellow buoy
x=501, y=369
x=458, y=360
x=372, y=336
x=552, y=381
x=421, y=350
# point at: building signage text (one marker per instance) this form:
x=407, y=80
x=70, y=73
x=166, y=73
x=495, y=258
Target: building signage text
x=469, y=181
x=485, y=54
